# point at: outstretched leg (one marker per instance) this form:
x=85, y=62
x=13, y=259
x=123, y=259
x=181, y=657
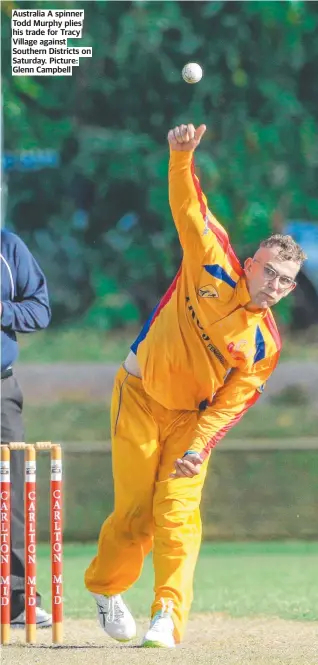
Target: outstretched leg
x=126, y=535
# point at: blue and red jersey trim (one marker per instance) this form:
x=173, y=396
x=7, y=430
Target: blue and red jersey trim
x=155, y=312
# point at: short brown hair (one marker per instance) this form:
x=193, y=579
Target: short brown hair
x=289, y=250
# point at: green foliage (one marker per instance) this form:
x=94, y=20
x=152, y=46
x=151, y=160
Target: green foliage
x=77, y=419
x=104, y=214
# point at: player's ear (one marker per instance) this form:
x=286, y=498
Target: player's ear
x=248, y=264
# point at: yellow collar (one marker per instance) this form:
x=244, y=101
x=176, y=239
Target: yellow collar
x=242, y=292
x=244, y=299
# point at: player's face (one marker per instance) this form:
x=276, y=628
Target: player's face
x=269, y=278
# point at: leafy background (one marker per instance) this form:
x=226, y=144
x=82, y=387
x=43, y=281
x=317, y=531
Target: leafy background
x=100, y=224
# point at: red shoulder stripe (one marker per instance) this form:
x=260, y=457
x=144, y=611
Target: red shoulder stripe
x=272, y=328
x=219, y=435
x=167, y=296
x=219, y=232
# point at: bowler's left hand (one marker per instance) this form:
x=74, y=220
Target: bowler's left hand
x=187, y=467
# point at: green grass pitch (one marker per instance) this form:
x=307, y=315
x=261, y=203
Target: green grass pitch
x=238, y=579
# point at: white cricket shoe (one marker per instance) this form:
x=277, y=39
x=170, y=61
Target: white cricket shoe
x=115, y=618
x=43, y=619
x=160, y=632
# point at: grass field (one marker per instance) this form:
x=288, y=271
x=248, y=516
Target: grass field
x=75, y=345
x=239, y=579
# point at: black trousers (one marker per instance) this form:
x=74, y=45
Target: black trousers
x=12, y=430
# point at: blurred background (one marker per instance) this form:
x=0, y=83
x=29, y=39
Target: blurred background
x=85, y=166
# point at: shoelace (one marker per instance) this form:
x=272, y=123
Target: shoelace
x=114, y=612
x=165, y=612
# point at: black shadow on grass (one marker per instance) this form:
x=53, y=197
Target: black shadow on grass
x=55, y=647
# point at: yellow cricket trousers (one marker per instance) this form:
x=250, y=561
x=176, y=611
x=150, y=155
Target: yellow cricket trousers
x=151, y=510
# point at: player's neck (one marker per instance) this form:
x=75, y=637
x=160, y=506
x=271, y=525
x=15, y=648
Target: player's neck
x=252, y=307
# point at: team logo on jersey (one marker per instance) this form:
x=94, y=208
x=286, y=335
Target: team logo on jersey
x=208, y=291
x=238, y=350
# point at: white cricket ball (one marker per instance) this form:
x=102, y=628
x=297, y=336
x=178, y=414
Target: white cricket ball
x=192, y=72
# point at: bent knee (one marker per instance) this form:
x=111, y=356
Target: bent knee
x=132, y=527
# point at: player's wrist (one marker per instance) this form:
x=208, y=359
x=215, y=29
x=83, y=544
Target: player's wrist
x=181, y=155
x=192, y=453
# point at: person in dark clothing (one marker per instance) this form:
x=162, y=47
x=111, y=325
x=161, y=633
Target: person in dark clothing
x=24, y=309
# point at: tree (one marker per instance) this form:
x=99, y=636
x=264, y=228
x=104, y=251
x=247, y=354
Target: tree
x=109, y=123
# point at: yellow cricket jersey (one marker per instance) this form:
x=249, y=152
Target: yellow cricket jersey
x=201, y=348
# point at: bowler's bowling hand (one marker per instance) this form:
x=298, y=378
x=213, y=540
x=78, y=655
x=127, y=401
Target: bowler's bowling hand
x=185, y=137
x=187, y=467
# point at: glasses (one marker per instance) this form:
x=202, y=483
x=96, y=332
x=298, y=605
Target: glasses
x=270, y=274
